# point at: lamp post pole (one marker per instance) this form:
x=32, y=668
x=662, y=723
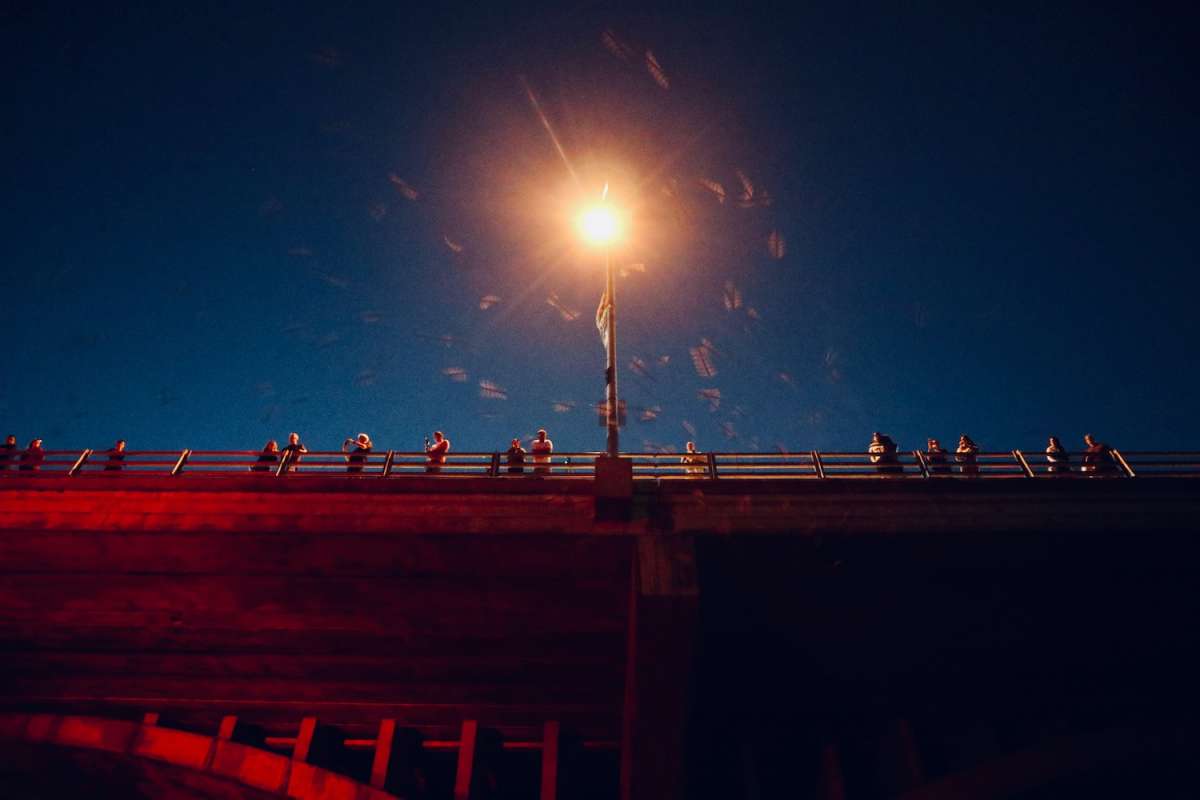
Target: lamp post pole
x=610, y=375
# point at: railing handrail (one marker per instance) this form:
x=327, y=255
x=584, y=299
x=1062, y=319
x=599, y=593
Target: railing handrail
x=710, y=465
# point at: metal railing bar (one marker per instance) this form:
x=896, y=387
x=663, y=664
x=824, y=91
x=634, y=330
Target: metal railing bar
x=921, y=463
x=1124, y=464
x=79, y=462
x=183, y=457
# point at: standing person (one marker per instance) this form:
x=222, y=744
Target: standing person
x=935, y=457
x=116, y=457
x=515, y=458
x=1057, y=456
x=356, y=451
x=32, y=458
x=268, y=458
x=965, y=455
x=293, y=451
x=695, y=463
x=882, y=452
x=435, y=453
x=8, y=452
x=1097, y=458
x=542, y=448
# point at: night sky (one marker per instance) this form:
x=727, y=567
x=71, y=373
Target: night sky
x=223, y=223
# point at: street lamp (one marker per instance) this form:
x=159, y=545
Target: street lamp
x=600, y=227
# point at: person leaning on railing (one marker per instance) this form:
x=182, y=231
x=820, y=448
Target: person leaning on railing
x=32, y=458
x=268, y=458
x=1098, y=458
x=882, y=453
x=965, y=455
x=356, y=450
x=116, y=457
x=515, y=458
x=542, y=448
x=435, y=454
x=8, y=452
x=1057, y=457
x=293, y=451
x=695, y=464
x=935, y=456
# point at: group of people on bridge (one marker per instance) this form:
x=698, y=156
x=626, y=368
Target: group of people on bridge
x=1097, y=457
x=883, y=452
x=30, y=459
x=358, y=449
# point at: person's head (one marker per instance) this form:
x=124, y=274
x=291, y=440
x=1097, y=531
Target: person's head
x=1057, y=445
x=875, y=437
x=363, y=439
x=964, y=439
x=1088, y=439
x=438, y=436
x=293, y=438
x=271, y=447
x=515, y=443
x=119, y=446
x=932, y=444
x=11, y=440
x=35, y=444
x=541, y=434
x=691, y=447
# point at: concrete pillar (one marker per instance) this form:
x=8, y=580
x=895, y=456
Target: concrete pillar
x=663, y=612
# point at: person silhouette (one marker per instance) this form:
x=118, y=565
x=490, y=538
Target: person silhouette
x=357, y=450
x=515, y=458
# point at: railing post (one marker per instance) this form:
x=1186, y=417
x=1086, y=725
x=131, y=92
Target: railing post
x=1124, y=464
x=920, y=457
x=494, y=469
x=183, y=457
x=387, y=463
x=712, y=465
x=1020, y=457
x=79, y=462
x=284, y=460
x=817, y=465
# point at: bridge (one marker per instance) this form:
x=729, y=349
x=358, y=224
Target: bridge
x=745, y=625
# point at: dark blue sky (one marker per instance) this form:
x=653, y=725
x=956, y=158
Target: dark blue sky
x=988, y=216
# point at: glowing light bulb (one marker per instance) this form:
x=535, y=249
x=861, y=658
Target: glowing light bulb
x=598, y=225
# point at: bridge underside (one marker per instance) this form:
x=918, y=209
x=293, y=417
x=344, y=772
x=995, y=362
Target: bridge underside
x=846, y=640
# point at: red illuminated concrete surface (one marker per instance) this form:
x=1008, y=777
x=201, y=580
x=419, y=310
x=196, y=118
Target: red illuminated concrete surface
x=474, y=638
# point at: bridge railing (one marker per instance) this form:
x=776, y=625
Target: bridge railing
x=50, y=462
x=376, y=463
x=765, y=465
x=864, y=465
x=814, y=465
x=995, y=464
x=141, y=462
x=1159, y=463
